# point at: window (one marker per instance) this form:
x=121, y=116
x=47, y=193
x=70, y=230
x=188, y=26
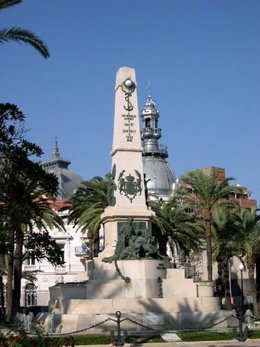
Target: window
x=61, y=247
x=30, y=260
x=147, y=123
x=30, y=295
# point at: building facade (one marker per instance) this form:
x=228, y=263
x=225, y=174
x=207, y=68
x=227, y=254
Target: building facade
x=72, y=243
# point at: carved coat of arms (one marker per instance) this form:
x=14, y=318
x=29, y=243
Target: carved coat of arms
x=130, y=185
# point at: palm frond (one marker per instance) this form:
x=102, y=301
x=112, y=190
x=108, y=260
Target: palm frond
x=174, y=221
x=29, y=276
x=87, y=205
x=8, y=3
x=25, y=36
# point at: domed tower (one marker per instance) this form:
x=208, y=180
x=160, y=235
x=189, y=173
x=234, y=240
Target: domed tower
x=68, y=180
x=158, y=173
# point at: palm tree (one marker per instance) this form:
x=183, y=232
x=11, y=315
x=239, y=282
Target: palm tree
x=24, y=186
x=250, y=227
x=40, y=216
x=203, y=193
x=172, y=220
x=226, y=244
x=87, y=205
x=21, y=35
x=23, y=206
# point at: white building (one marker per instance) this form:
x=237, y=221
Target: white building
x=71, y=242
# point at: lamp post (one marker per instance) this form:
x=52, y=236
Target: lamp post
x=241, y=268
x=240, y=334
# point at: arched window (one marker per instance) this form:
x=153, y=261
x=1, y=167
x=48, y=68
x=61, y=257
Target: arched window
x=30, y=295
x=147, y=122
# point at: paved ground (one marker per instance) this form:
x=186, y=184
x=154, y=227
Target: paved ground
x=233, y=343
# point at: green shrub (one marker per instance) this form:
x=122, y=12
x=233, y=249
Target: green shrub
x=92, y=339
x=205, y=336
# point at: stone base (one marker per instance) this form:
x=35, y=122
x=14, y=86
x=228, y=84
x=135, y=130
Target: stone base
x=136, y=322
x=126, y=306
x=157, y=296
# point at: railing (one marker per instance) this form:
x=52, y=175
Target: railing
x=30, y=267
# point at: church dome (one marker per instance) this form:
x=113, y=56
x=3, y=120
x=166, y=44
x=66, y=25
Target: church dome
x=158, y=173
x=68, y=180
x=160, y=177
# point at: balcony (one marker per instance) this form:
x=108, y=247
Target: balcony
x=30, y=267
x=151, y=132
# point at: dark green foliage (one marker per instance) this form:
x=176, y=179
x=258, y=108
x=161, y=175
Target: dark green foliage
x=25, y=36
x=226, y=239
x=43, y=246
x=92, y=339
x=203, y=193
x=21, y=339
x=140, y=339
x=172, y=220
x=88, y=203
x=7, y=3
x=87, y=206
x=25, y=193
x=205, y=336
x=250, y=247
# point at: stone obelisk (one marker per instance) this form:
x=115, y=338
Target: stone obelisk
x=128, y=193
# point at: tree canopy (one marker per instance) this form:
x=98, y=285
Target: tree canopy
x=202, y=192
x=25, y=192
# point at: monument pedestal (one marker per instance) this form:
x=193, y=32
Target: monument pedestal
x=183, y=305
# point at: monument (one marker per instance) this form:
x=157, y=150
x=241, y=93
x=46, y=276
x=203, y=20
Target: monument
x=127, y=193
x=130, y=275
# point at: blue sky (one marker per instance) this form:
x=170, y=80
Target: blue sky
x=201, y=56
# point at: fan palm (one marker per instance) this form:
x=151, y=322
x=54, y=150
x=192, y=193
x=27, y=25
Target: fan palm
x=203, y=193
x=21, y=35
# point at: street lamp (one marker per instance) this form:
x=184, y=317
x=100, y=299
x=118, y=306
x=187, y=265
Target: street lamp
x=241, y=268
x=240, y=334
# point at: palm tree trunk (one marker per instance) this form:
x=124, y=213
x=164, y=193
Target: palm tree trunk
x=2, y=299
x=9, y=284
x=209, y=250
x=18, y=256
x=251, y=271
x=219, y=282
x=162, y=240
x=91, y=246
x=226, y=285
